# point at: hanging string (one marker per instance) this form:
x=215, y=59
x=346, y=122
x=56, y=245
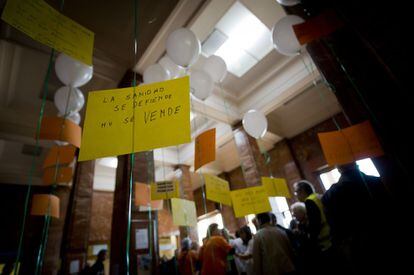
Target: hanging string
x=227, y=108
x=311, y=70
x=132, y=156
x=33, y=162
x=199, y=171
x=16, y=269
x=150, y=177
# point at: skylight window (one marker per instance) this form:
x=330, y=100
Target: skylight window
x=240, y=38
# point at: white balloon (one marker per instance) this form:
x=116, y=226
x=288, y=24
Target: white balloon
x=75, y=97
x=169, y=65
x=72, y=72
x=201, y=84
x=216, y=67
x=74, y=117
x=155, y=73
x=255, y=123
x=284, y=38
x=183, y=47
x=288, y=2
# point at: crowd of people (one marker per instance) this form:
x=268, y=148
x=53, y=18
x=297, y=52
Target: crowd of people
x=336, y=233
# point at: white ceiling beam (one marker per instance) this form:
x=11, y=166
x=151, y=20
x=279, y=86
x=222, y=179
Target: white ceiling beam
x=292, y=80
x=183, y=11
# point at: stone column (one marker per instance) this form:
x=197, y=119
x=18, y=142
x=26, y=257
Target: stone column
x=252, y=161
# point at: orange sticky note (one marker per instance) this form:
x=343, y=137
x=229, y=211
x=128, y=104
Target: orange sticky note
x=57, y=128
x=143, y=197
x=314, y=28
x=51, y=176
x=205, y=148
x=350, y=144
x=45, y=204
x=59, y=155
x=363, y=141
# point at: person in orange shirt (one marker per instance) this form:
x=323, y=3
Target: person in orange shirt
x=213, y=255
x=187, y=260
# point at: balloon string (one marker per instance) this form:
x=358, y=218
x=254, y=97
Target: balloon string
x=311, y=71
x=199, y=171
x=132, y=156
x=16, y=270
x=227, y=108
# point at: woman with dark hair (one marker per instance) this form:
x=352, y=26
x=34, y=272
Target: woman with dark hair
x=246, y=257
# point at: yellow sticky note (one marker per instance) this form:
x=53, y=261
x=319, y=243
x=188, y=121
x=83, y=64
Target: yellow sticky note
x=251, y=200
x=162, y=118
x=45, y=24
x=276, y=187
x=217, y=189
x=269, y=186
x=164, y=190
x=184, y=212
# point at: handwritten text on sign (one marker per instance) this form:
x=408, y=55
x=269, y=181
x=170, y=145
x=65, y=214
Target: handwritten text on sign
x=121, y=122
x=218, y=190
x=251, y=200
x=45, y=24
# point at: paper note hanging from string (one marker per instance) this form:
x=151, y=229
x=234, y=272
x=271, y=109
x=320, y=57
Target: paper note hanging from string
x=53, y=175
x=276, y=187
x=163, y=190
x=217, y=189
x=59, y=155
x=205, y=148
x=45, y=204
x=45, y=24
x=162, y=118
x=350, y=144
x=57, y=128
x=252, y=200
x=143, y=197
x=184, y=212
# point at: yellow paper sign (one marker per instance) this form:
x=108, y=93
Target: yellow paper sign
x=164, y=190
x=184, y=212
x=45, y=204
x=350, y=144
x=162, y=118
x=217, y=189
x=205, y=148
x=251, y=200
x=43, y=23
x=269, y=186
x=276, y=187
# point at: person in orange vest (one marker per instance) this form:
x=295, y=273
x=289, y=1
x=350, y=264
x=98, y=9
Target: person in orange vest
x=317, y=228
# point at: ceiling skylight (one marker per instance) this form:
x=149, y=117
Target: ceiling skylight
x=240, y=38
